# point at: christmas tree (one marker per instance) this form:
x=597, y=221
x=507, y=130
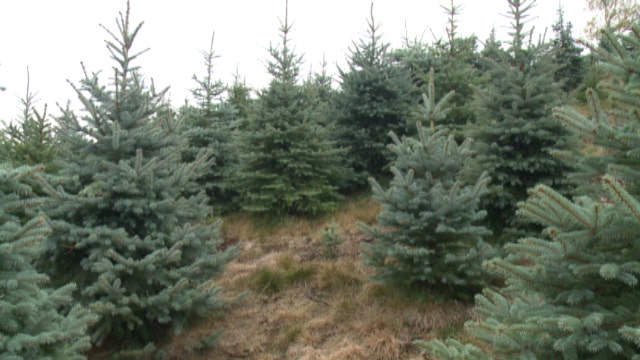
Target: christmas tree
x=572, y=292
x=35, y=322
x=570, y=295
x=375, y=98
x=29, y=140
x=566, y=55
x=453, y=63
x=426, y=232
x=143, y=254
x=613, y=133
x=209, y=125
x=516, y=133
x=288, y=163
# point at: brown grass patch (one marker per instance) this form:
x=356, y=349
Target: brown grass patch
x=318, y=330
x=362, y=209
x=384, y=345
x=300, y=305
x=339, y=276
x=349, y=351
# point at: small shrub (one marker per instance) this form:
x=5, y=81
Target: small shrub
x=331, y=239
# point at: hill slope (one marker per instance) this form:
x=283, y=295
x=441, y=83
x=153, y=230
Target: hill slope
x=291, y=302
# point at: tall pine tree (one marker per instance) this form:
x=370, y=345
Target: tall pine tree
x=375, y=98
x=35, y=322
x=516, y=133
x=288, y=164
x=143, y=254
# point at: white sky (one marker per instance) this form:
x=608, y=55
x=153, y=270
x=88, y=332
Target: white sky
x=53, y=37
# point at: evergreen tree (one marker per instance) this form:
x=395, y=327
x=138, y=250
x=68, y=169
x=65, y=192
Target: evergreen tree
x=143, y=255
x=288, y=163
x=321, y=101
x=239, y=96
x=454, y=65
x=516, y=132
x=35, y=322
x=491, y=52
x=209, y=126
x=29, y=140
x=416, y=58
x=375, y=98
x=426, y=232
x=454, y=61
x=614, y=134
x=566, y=55
x=321, y=95
x=572, y=294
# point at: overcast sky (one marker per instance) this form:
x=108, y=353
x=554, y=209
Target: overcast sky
x=53, y=37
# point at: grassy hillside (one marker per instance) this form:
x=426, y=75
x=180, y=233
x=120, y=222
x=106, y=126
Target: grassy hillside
x=292, y=301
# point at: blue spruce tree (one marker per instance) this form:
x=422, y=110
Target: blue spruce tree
x=376, y=97
x=516, y=133
x=613, y=133
x=288, y=163
x=427, y=232
x=209, y=126
x=572, y=292
x=142, y=253
x=35, y=322
x=29, y=139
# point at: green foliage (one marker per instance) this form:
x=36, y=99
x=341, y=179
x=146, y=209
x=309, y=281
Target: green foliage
x=572, y=294
x=375, y=98
x=35, y=322
x=452, y=349
x=29, y=140
x=142, y=253
x=566, y=55
x=454, y=63
x=432, y=111
x=516, y=133
x=593, y=74
x=426, y=232
x=209, y=126
x=492, y=51
x=239, y=96
x=331, y=240
x=614, y=133
x=288, y=163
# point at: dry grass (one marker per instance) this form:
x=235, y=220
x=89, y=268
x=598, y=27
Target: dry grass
x=248, y=226
x=296, y=304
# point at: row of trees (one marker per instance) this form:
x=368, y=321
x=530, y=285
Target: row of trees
x=564, y=285
x=119, y=217
x=571, y=291
x=129, y=183
x=306, y=126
